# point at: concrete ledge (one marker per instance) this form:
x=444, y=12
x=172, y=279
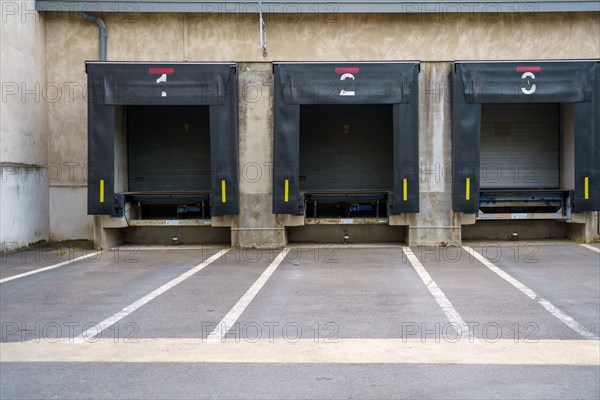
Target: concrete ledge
x=106, y=238
x=402, y=219
x=109, y=222
x=224, y=221
x=169, y=222
x=291, y=220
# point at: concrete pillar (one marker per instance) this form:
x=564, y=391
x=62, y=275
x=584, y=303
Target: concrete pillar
x=434, y=224
x=107, y=231
x=256, y=226
x=583, y=227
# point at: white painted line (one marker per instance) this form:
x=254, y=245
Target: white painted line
x=281, y=351
x=551, y=308
x=37, y=271
x=589, y=246
x=453, y=316
x=218, y=334
x=97, y=329
x=528, y=292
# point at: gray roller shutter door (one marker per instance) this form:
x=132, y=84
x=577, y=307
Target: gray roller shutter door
x=169, y=148
x=520, y=146
x=346, y=147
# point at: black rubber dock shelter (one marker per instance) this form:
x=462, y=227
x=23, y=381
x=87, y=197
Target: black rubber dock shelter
x=346, y=135
x=503, y=100
x=177, y=125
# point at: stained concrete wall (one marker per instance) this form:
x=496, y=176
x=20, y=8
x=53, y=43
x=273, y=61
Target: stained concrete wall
x=23, y=206
x=311, y=37
x=66, y=51
x=23, y=124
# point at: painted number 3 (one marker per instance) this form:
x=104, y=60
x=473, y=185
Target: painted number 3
x=528, y=85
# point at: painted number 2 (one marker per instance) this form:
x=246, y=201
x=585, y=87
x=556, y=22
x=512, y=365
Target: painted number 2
x=344, y=92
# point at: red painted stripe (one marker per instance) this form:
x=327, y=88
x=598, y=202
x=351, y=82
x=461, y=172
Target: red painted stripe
x=346, y=70
x=529, y=68
x=160, y=71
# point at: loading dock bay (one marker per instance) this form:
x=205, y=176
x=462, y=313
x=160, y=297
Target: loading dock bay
x=380, y=321
x=350, y=141
x=547, y=135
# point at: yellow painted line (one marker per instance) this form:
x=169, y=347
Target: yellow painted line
x=405, y=186
x=586, y=188
x=223, y=192
x=326, y=351
x=101, y=190
x=468, y=189
x=286, y=191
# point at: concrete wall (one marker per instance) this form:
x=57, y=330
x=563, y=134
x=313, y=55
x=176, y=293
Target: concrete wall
x=427, y=37
x=65, y=225
x=234, y=37
x=23, y=125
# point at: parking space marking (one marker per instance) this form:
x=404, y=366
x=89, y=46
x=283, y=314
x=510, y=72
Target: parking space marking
x=342, y=351
x=453, y=316
x=589, y=246
x=94, y=331
x=218, y=334
x=551, y=308
x=54, y=266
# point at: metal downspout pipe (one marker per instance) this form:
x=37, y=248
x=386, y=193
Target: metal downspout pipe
x=101, y=32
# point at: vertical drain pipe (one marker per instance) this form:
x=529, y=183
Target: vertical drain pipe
x=101, y=32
